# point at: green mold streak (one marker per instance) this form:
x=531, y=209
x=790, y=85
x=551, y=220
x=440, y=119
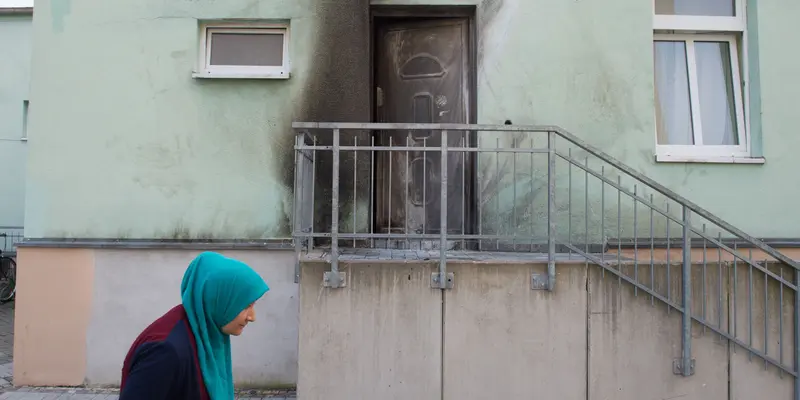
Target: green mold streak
x=59, y=9
x=754, y=80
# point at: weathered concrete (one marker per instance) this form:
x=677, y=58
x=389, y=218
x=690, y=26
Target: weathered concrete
x=750, y=379
x=383, y=336
x=503, y=340
x=379, y=338
x=592, y=338
x=632, y=343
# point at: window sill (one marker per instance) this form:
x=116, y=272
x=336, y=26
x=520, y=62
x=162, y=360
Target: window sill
x=710, y=159
x=240, y=75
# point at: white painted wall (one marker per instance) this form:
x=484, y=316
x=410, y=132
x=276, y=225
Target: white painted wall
x=16, y=3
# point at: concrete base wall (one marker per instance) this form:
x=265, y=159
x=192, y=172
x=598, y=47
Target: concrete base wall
x=388, y=335
x=592, y=338
x=505, y=341
x=633, y=341
x=750, y=378
x=381, y=338
x=79, y=310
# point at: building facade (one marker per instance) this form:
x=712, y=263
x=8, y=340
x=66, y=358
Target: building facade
x=158, y=132
x=15, y=42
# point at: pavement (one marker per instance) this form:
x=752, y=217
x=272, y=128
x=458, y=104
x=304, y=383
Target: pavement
x=7, y=392
x=88, y=394
x=6, y=344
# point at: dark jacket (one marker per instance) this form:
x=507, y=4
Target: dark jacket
x=162, y=362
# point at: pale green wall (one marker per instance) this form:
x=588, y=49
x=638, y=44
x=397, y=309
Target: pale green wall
x=587, y=67
x=125, y=144
x=15, y=55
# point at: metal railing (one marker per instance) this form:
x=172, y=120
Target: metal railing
x=361, y=190
x=9, y=237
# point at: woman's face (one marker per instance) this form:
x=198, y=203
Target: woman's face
x=235, y=327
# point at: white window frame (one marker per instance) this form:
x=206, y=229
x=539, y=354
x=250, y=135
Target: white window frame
x=691, y=29
x=206, y=70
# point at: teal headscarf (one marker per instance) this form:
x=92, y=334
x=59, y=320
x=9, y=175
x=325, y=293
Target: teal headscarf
x=215, y=289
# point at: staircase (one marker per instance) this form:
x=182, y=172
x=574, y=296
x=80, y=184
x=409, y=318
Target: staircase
x=527, y=194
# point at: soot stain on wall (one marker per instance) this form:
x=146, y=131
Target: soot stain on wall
x=487, y=11
x=337, y=90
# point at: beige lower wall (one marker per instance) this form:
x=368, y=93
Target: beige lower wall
x=79, y=310
x=134, y=287
x=53, y=308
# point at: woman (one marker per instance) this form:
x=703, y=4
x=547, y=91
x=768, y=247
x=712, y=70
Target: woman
x=186, y=354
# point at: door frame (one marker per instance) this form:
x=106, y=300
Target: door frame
x=380, y=14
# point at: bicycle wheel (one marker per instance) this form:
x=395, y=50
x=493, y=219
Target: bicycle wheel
x=8, y=287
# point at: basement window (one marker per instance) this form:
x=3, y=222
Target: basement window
x=244, y=51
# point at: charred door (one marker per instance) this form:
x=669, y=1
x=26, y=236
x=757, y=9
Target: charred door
x=422, y=77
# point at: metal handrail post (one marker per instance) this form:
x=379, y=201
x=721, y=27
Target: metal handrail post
x=686, y=362
x=334, y=279
x=551, y=210
x=297, y=214
x=797, y=335
x=443, y=214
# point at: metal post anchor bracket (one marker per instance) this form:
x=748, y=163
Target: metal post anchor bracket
x=540, y=282
x=679, y=364
x=436, y=283
x=334, y=280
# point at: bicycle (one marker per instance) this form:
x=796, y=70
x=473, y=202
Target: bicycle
x=8, y=277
